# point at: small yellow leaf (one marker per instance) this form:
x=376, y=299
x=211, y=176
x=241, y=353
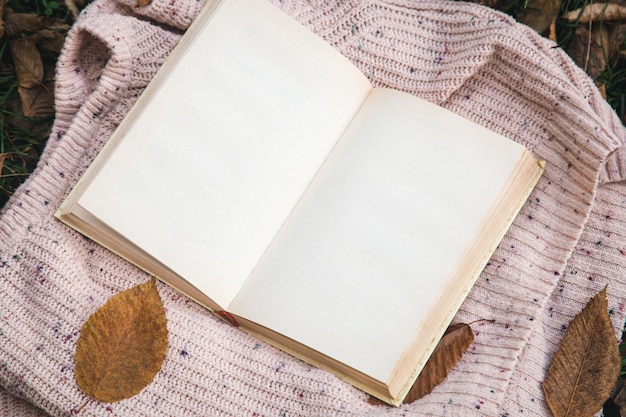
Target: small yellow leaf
x=584, y=369
x=123, y=344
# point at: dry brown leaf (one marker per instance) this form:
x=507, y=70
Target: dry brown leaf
x=27, y=61
x=57, y=24
x=586, y=365
x=2, y=4
x=619, y=396
x=455, y=341
x=592, y=49
x=38, y=101
x=596, y=12
x=71, y=6
x=16, y=23
x=123, y=344
x=38, y=131
x=49, y=40
x=3, y=156
x=142, y=3
x=538, y=14
x=552, y=31
x=602, y=90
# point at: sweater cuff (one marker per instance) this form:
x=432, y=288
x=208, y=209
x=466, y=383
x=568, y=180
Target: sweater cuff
x=175, y=13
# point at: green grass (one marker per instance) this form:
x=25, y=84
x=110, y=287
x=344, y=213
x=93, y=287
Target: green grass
x=613, y=77
x=21, y=138
x=39, y=7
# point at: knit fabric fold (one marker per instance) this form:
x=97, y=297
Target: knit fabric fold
x=567, y=243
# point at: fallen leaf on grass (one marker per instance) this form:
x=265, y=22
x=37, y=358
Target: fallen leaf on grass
x=2, y=4
x=49, y=40
x=585, y=367
x=602, y=90
x=3, y=156
x=591, y=48
x=552, y=32
x=595, y=12
x=73, y=9
x=27, y=61
x=455, y=341
x=38, y=101
x=123, y=344
x=16, y=23
x=539, y=14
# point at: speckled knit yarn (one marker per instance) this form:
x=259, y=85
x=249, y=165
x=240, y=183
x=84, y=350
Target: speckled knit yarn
x=568, y=242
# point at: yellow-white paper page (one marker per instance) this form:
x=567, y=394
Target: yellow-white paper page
x=358, y=264
x=210, y=171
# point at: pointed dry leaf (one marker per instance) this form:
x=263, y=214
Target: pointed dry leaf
x=596, y=12
x=552, y=31
x=591, y=49
x=452, y=345
x=3, y=156
x=538, y=14
x=57, y=24
x=619, y=396
x=449, y=350
x=49, y=40
x=602, y=90
x=2, y=4
x=142, y=3
x=27, y=61
x=123, y=344
x=586, y=365
x=16, y=23
x=38, y=101
x=71, y=6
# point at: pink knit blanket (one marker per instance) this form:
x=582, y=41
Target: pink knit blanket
x=568, y=242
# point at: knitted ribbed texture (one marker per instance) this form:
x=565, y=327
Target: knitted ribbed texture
x=568, y=242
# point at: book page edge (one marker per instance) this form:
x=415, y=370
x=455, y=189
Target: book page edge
x=409, y=366
x=89, y=226
x=186, y=41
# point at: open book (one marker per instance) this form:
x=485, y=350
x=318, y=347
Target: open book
x=261, y=174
